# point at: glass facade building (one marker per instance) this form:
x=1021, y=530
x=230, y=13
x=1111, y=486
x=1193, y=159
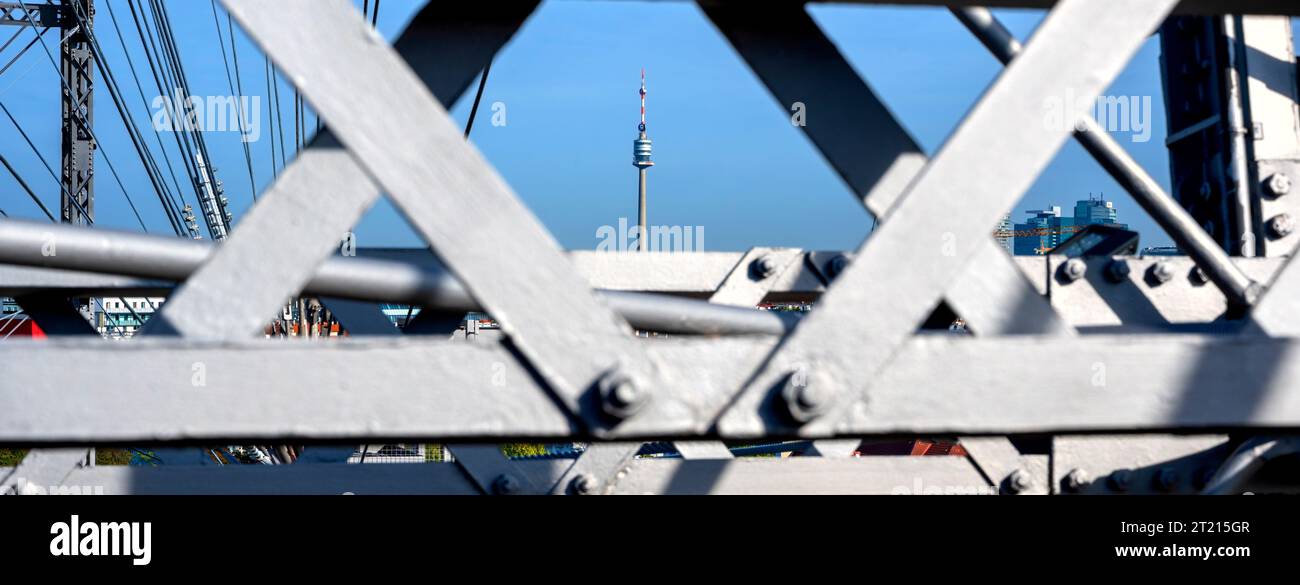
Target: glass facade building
x=1052, y=229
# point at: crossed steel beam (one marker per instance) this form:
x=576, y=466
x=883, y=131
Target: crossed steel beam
x=853, y=367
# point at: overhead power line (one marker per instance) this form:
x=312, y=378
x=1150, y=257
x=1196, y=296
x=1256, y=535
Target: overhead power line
x=238, y=95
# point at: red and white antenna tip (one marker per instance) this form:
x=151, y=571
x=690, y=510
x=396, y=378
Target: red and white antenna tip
x=643, y=92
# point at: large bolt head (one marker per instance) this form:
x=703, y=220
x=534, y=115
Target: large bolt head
x=1076, y=480
x=1279, y=184
x=1120, y=479
x=620, y=396
x=804, y=400
x=1074, y=269
x=1162, y=272
x=506, y=485
x=585, y=485
x=1282, y=225
x=1019, y=481
x=766, y=266
x=1118, y=270
x=837, y=265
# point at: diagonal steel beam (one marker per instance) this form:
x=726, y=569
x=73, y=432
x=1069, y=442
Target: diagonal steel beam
x=874, y=155
x=283, y=240
x=596, y=471
x=1239, y=289
x=937, y=229
x=442, y=184
x=805, y=72
x=1278, y=311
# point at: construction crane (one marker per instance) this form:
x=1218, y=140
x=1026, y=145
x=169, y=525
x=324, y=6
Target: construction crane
x=1038, y=233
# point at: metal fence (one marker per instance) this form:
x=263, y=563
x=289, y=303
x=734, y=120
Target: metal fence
x=1077, y=369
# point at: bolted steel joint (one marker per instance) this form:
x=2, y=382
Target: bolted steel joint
x=584, y=485
x=1018, y=482
x=1199, y=277
x=803, y=400
x=1162, y=272
x=1076, y=480
x=1117, y=270
x=1279, y=184
x=620, y=395
x=506, y=485
x=1074, y=269
x=765, y=266
x=1281, y=225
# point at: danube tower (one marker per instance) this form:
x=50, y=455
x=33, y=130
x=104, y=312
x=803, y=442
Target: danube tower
x=641, y=160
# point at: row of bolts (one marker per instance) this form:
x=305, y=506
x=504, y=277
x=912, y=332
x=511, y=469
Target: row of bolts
x=621, y=397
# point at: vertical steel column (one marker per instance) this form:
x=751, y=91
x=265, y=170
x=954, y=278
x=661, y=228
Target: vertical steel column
x=1234, y=130
x=77, y=67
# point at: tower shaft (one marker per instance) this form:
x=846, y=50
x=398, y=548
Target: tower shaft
x=642, y=223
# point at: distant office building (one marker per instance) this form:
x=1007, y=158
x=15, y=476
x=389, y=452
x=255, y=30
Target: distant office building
x=1162, y=251
x=122, y=317
x=1049, y=229
x=1047, y=224
x=1095, y=212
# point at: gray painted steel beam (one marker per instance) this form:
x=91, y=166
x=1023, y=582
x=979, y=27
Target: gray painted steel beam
x=866, y=145
x=345, y=390
x=596, y=470
x=1180, y=225
x=43, y=469
x=294, y=227
x=461, y=391
x=442, y=184
x=804, y=475
x=800, y=475
x=931, y=237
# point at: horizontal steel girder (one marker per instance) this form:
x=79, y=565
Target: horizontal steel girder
x=447, y=390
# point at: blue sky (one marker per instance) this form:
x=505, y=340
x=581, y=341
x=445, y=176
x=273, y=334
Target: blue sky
x=727, y=156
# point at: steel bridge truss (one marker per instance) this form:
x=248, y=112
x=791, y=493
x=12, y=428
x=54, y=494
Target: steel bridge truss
x=1128, y=371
